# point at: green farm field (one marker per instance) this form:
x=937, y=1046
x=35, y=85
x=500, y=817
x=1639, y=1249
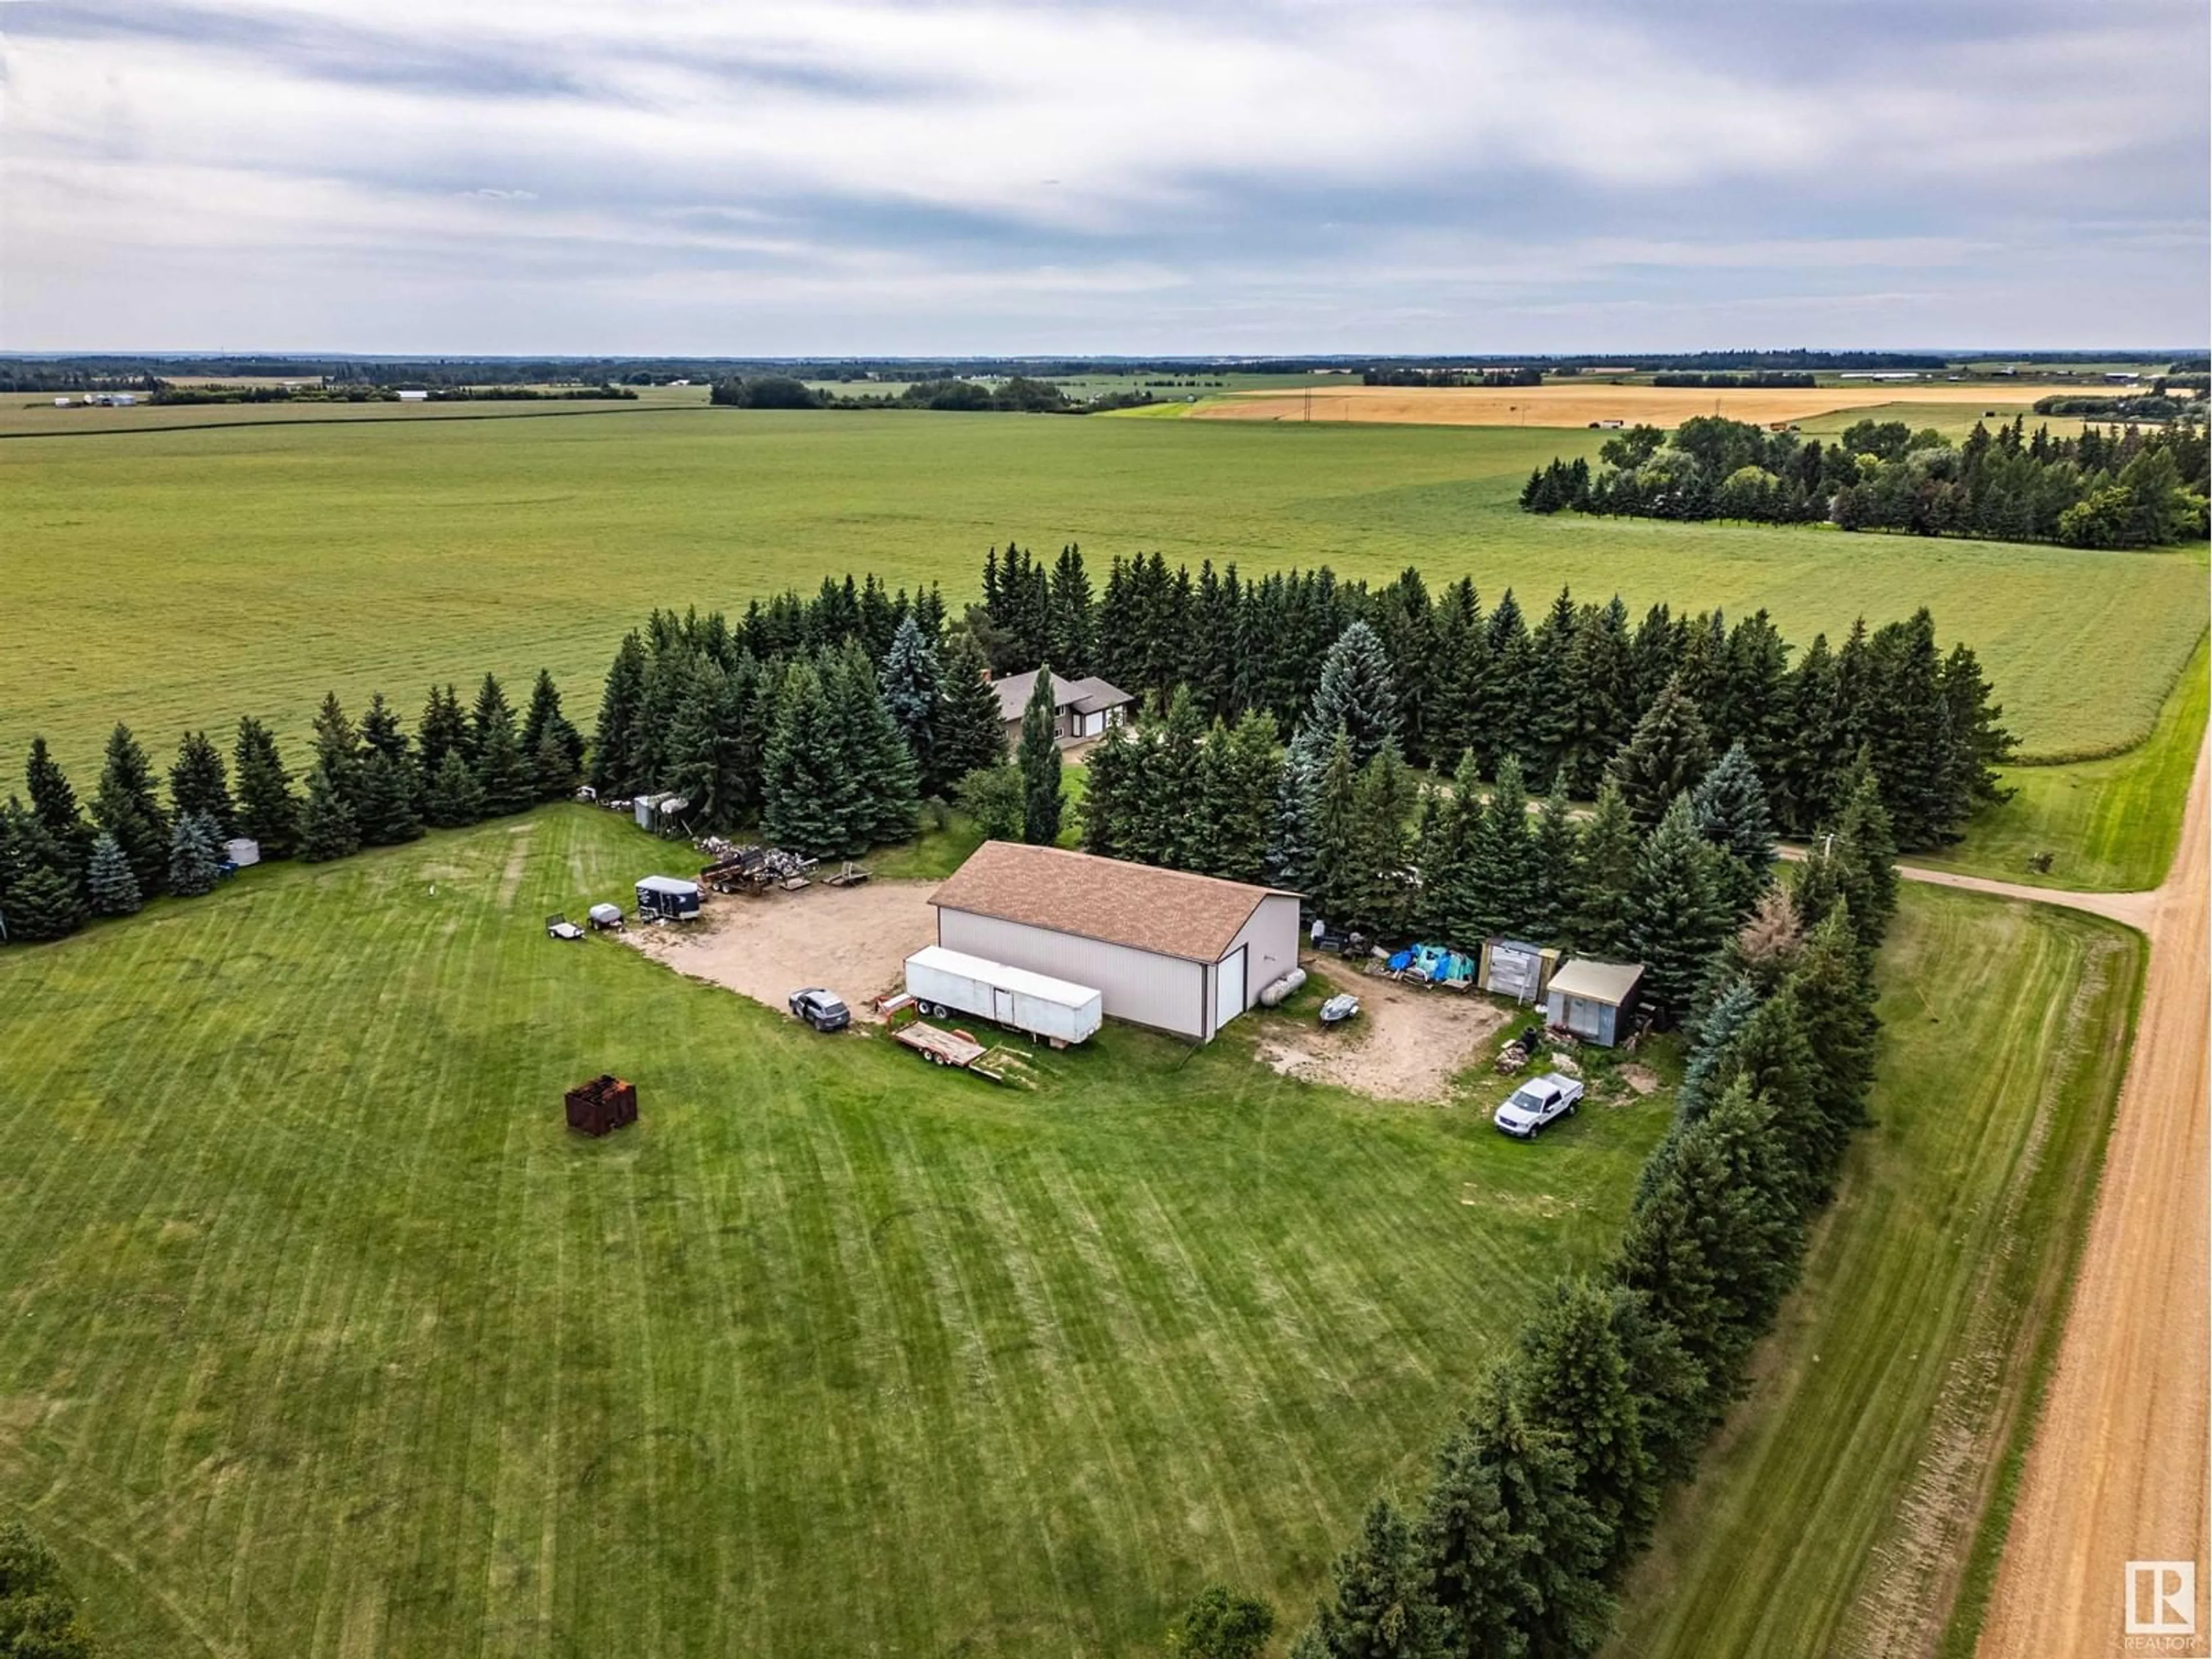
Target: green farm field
x=182, y=578
x=321, y=1335
x=1854, y=1501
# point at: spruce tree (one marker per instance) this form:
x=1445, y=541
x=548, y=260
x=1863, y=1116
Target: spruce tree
x=1713, y=1237
x=1106, y=796
x=1610, y=851
x=38, y=903
x=1514, y=1551
x=1865, y=852
x=1177, y=831
x=442, y=731
x=1356, y=695
x=195, y=855
x=885, y=775
x=1502, y=693
x=1676, y=918
x=1574, y=1379
x=1072, y=625
x=267, y=812
x=612, y=771
x=1771, y=1054
x=1833, y=984
x=969, y=731
x=125, y=808
x=809, y=802
x=706, y=750
x=1336, y=884
x=553, y=746
x=454, y=797
x=1382, y=1606
x=327, y=827
x=1384, y=802
x=385, y=793
x=1239, y=785
x=113, y=889
x=53, y=801
x=1038, y=757
x=1729, y=1010
x=382, y=734
x=1729, y=805
x=503, y=771
x=338, y=750
x=1669, y=753
x=913, y=686
x=1292, y=845
x=199, y=783
x=1555, y=870
x=1502, y=883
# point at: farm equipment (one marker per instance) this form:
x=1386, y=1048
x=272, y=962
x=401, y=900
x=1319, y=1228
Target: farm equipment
x=560, y=927
x=754, y=869
x=603, y=1104
x=1339, y=1009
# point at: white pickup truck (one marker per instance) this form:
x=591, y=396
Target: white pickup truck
x=1537, y=1103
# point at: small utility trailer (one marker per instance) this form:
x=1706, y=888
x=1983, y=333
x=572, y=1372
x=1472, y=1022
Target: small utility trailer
x=940, y=1047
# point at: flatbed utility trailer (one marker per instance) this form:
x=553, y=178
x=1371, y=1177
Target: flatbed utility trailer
x=942, y=1048
x=851, y=876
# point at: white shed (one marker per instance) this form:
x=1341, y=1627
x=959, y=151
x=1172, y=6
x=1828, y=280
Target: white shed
x=1182, y=953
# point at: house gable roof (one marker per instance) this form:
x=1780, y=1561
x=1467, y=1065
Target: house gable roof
x=1171, y=913
x=1086, y=696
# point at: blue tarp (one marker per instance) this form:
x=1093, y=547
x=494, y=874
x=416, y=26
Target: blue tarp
x=1435, y=963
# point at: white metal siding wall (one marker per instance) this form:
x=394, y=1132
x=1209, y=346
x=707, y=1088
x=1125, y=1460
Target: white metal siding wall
x=1165, y=992
x=1271, y=936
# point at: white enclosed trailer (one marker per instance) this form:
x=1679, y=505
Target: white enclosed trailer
x=1043, y=1007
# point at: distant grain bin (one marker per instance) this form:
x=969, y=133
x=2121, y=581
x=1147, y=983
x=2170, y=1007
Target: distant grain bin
x=603, y=1104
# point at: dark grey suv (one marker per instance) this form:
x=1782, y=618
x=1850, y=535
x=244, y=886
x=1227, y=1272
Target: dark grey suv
x=823, y=1010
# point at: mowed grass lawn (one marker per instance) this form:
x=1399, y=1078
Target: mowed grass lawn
x=319, y=1334
x=180, y=579
x=2108, y=824
x=1854, y=1500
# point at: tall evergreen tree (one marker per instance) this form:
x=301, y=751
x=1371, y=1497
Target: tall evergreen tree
x=1356, y=695
x=199, y=783
x=1172, y=826
x=442, y=731
x=709, y=757
x=384, y=796
x=1514, y=1551
x=1574, y=1381
x=1730, y=807
x=1833, y=984
x=454, y=799
x=1071, y=622
x=1501, y=695
x=1668, y=754
x=613, y=768
x=809, y=801
x=913, y=686
x=268, y=813
x=53, y=801
x=1336, y=884
x=327, y=827
x=109, y=882
x=1238, y=786
x=503, y=771
x=1377, y=878
x=1555, y=877
x=551, y=742
x=337, y=751
x=1611, y=850
x=970, y=731
x=1292, y=846
x=1108, y=797
x=885, y=778
x=195, y=855
x=37, y=903
x=1381, y=1605
x=1728, y=1013
x=1502, y=888
x=1038, y=757
x=125, y=808
x=1676, y=918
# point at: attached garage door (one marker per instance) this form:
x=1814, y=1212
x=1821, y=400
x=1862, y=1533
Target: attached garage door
x=1229, y=988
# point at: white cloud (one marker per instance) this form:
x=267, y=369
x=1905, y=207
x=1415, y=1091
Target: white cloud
x=898, y=165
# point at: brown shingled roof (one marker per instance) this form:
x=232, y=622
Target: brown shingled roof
x=1169, y=912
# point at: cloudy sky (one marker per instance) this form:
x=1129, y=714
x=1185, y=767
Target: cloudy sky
x=581, y=176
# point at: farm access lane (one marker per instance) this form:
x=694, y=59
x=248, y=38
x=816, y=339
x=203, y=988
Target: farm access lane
x=2119, y=1466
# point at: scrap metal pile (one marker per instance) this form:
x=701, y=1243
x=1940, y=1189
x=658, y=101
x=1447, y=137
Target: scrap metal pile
x=740, y=867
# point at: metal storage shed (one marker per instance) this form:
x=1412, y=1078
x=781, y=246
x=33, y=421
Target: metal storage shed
x=1589, y=997
x=1182, y=953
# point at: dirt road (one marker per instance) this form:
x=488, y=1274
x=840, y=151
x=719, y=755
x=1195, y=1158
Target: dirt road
x=2119, y=1467
x=856, y=941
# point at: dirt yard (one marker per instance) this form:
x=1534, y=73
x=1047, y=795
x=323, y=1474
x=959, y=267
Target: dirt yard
x=853, y=940
x=1572, y=405
x=1406, y=1044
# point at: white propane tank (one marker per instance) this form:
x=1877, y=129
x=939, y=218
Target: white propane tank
x=1274, y=995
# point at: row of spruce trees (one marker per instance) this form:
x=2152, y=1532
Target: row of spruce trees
x=1671, y=860
x=1560, y=696
x=369, y=784
x=1549, y=1484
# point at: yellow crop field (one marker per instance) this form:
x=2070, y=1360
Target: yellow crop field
x=1573, y=404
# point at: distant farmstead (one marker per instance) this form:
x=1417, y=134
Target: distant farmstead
x=1182, y=953
x=1080, y=708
